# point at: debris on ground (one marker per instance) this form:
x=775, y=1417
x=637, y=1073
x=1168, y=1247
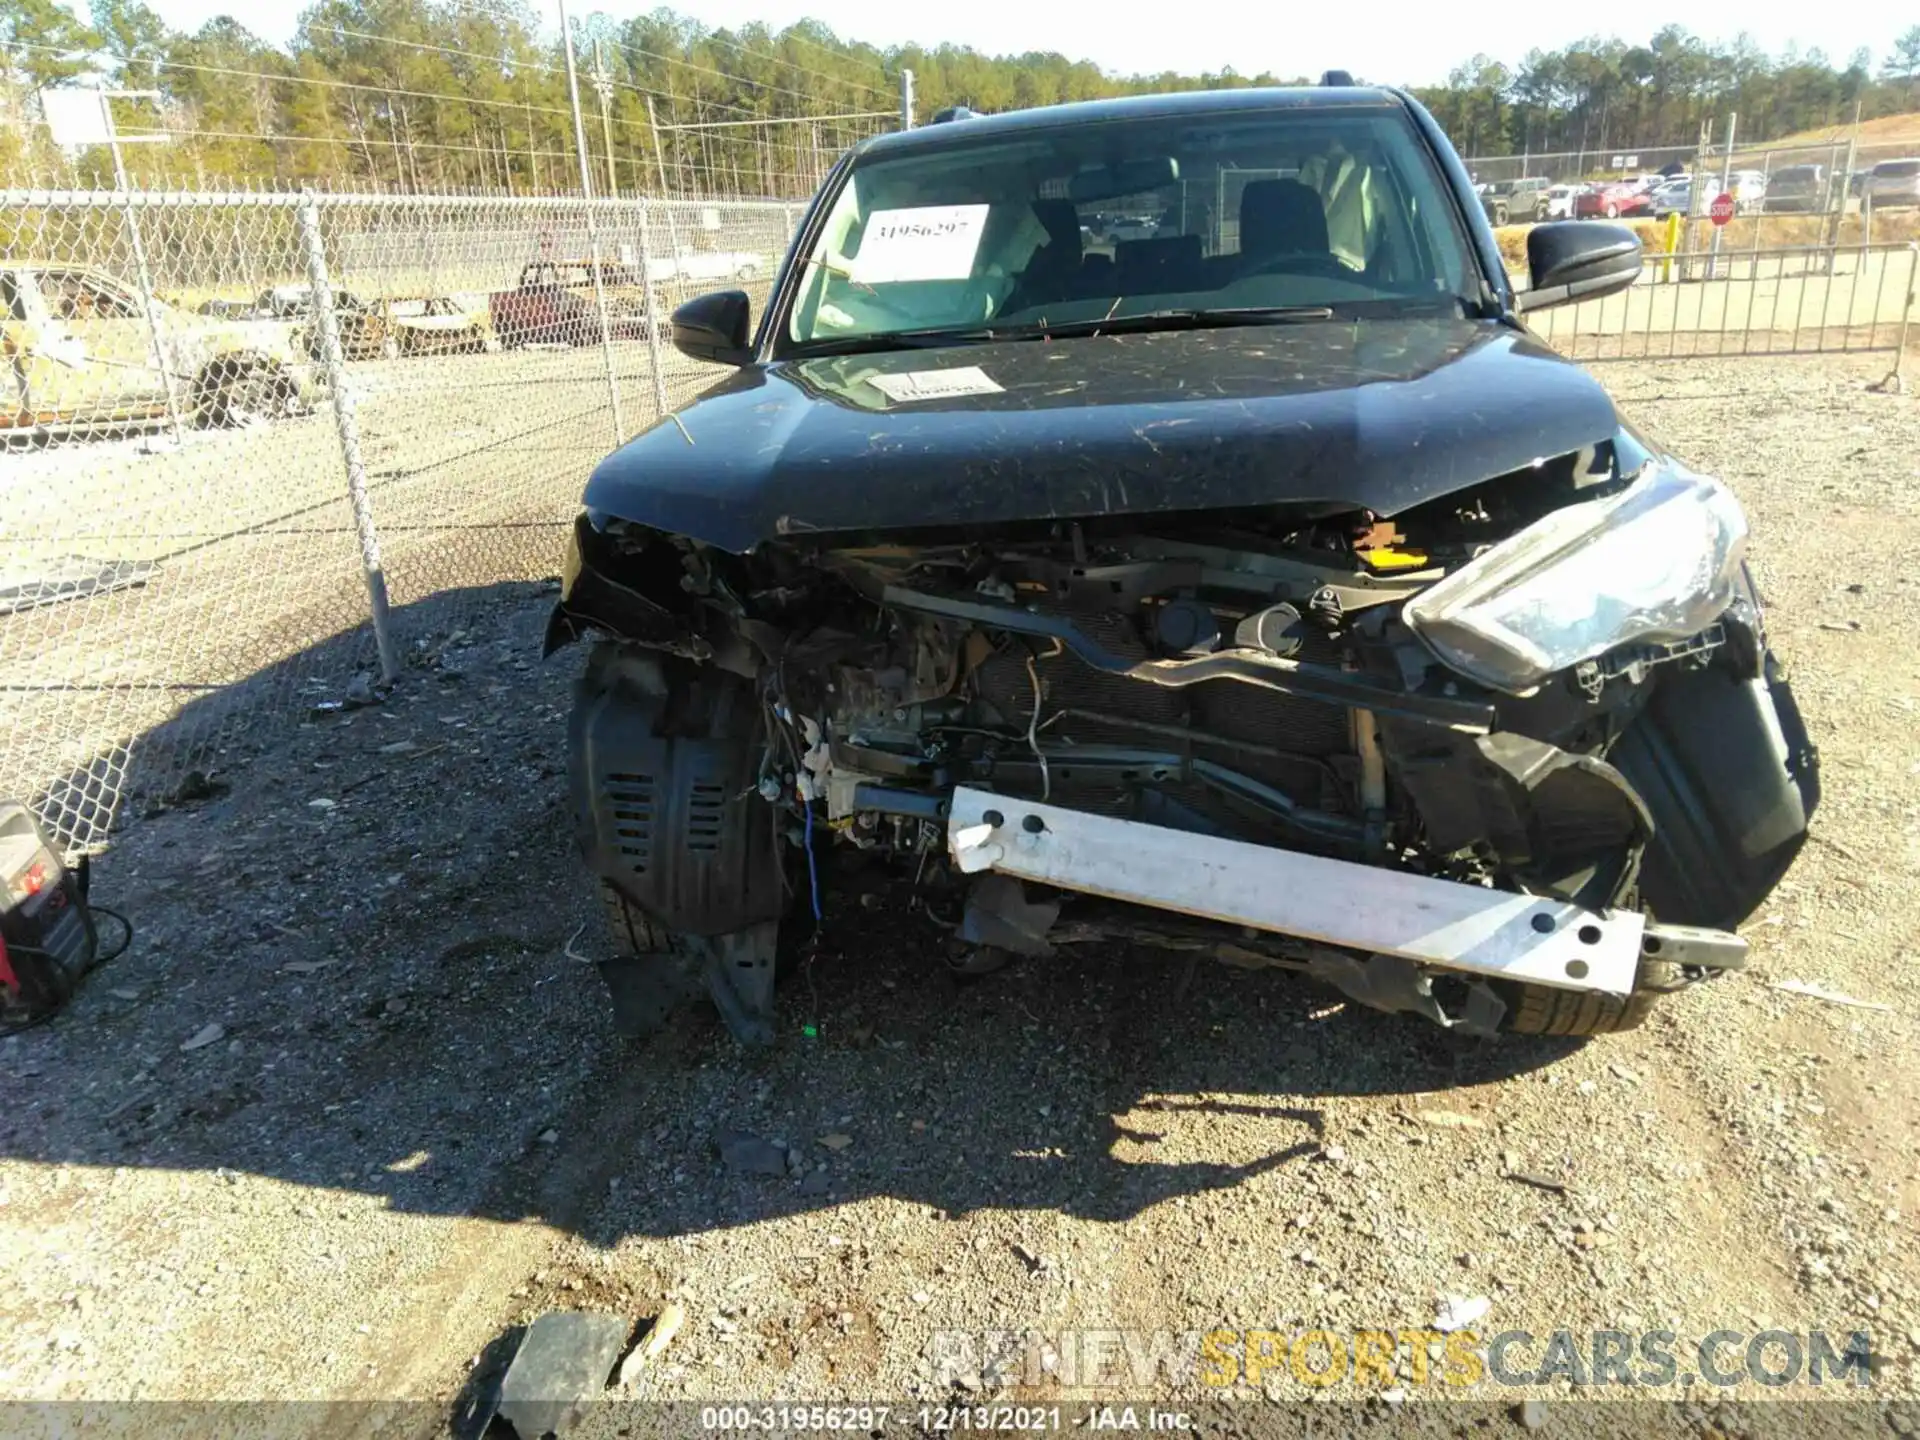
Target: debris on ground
x=1820, y=992
x=665, y=1326
x=1539, y=1182
x=1460, y=1312
x=562, y=1363
x=1451, y=1120
x=749, y=1154
x=206, y=1035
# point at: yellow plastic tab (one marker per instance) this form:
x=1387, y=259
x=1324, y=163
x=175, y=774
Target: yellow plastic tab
x=1391, y=558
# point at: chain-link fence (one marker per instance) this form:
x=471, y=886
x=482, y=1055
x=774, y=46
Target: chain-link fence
x=1839, y=159
x=238, y=424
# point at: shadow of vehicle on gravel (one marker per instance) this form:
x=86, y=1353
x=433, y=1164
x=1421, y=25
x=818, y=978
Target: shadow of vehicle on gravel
x=358, y=968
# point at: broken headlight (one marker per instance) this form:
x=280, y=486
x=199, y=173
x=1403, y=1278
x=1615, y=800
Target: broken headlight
x=1655, y=562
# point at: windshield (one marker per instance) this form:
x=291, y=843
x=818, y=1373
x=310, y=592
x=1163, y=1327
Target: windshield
x=1337, y=209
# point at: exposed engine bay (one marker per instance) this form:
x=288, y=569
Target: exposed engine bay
x=1248, y=679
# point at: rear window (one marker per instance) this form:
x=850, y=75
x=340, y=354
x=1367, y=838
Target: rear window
x=1897, y=169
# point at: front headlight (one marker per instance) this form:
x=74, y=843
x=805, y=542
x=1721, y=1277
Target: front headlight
x=1654, y=563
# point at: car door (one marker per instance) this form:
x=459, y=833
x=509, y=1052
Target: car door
x=13, y=380
x=88, y=355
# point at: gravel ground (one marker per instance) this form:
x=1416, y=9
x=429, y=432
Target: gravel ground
x=413, y=1131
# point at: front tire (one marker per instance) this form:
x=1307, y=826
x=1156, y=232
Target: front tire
x=240, y=391
x=1544, y=1010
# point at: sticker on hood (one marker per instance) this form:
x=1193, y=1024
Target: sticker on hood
x=925, y=242
x=935, y=384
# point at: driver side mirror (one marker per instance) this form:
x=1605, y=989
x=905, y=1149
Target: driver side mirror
x=714, y=328
x=1571, y=260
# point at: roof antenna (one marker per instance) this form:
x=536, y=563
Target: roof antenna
x=1337, y=77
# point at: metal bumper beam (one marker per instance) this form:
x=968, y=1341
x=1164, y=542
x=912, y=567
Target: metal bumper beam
x=1467, y=928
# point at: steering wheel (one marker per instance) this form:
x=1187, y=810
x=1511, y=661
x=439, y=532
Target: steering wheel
x=1302, y=263
x=870, y=299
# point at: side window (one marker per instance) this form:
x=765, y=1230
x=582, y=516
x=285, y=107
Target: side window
x=72, y=296
x=11, y=300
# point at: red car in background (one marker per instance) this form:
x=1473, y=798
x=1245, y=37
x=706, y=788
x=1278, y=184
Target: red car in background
x=1611, y=202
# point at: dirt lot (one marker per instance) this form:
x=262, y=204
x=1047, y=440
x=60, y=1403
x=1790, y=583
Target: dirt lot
x=412, y=1130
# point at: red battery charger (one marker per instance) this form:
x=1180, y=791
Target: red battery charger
x=48, y=941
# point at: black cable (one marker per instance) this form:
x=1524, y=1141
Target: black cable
x=126, y=940
x=63, y=982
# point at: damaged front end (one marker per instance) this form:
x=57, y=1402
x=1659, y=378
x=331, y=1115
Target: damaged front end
x=1513, y=759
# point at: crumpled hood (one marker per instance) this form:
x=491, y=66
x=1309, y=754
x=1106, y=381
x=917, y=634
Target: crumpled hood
x=1381, y=415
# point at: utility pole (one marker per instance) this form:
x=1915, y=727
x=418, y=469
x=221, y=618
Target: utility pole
x=1839, y=187
x=158, y=346
x=906, y=99
x=604, y=84
x=659, y=155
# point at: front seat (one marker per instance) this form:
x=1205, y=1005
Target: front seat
x=1053, y=270
x=1280, y=219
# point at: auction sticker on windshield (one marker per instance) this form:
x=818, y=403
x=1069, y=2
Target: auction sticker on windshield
x=926, y=242
x=935, y=384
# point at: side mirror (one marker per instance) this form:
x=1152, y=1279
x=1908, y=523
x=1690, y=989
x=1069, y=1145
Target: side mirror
x=1572, y=260
x=714, y=327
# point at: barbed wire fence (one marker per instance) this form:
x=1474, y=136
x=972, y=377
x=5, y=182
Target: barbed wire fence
x=269, y=447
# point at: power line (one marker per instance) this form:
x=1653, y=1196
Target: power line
x=628, y=84
x=347, y=140
x=522, y=107
x=787, y=120
x=502, y=61
x=794, y=65
x=709, y=70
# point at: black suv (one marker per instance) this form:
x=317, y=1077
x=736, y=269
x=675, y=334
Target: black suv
x=1250, y=583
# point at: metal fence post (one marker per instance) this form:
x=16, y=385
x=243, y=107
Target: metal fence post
x=156, y=340
x=1893, y=382
x=655, y=357
x=334, y=362
x=593, y=234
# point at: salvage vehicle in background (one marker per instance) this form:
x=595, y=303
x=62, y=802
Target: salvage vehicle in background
x=556, y=303
x=1749, y=191
x=76, y=351
x=1671, y=197
x=1560, y=200
x=1615, y=201
x=706, y=266
x=1262, y=589
x=1892, y=183
x=381, y=329
x=1516, y=202
x=1798, y=189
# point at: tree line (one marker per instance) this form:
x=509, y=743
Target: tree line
x=436, y=95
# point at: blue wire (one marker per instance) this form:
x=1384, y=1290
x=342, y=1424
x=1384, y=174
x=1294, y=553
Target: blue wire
x=813, y=874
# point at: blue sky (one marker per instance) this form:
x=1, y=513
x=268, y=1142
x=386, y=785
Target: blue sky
x=1390, y=41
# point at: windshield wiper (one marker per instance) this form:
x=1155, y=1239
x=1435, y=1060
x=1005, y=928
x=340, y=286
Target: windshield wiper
x=1183, y=319
x=881, y=340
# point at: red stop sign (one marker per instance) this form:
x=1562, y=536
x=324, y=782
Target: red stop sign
x=1721, y=211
